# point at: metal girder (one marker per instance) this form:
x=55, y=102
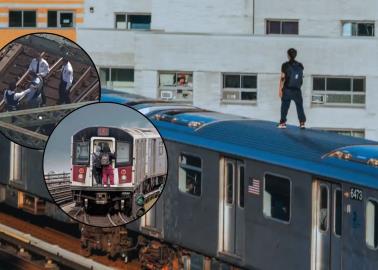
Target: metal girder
x=31, y=127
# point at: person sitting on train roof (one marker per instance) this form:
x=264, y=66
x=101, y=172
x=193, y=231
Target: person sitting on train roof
x=40, y=67
x=96, y=165
x=106, y=161
x=66, y=79
x=290, y=88
x=34, y=97
x=11, y=98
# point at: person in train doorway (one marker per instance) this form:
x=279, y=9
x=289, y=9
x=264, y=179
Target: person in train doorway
x=12, y=98
x=34, y=96
x=290, y=88
x=96, y=165
x=66, y=79
x=40, y=67
x=106, y=162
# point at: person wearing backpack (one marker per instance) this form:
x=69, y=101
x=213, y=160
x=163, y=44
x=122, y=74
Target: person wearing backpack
x=106, y=162
x=96, y=165
x=290, y=88
x=11, y=98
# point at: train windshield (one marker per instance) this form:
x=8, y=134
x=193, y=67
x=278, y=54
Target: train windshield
x=81, y=153
x=123, y=152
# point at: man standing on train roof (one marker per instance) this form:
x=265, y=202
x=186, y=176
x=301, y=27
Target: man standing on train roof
x=96, y=165
x=290, y=88
x=11, y=98
x=66, y=79
x=39, y=67
x=106, y=162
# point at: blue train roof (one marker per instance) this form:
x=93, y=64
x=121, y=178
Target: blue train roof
x=304, y=150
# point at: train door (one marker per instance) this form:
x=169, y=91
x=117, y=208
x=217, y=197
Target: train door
x=233, y=207
x=327, y=225
x=100, y=142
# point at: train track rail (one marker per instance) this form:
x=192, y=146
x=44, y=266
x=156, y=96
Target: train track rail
x=59, y=186
x=108, y=220
x=55, y=233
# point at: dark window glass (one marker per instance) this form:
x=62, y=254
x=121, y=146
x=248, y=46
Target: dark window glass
x=358, y=85
x=66, y=19
x=190, y=174
x=319, y=83
x=338, y=212
x=273, y=27
x=230, y=184
x=249, y=81
x=15, y=18
x=123, y=75
x=290, y=28
x=248, y=95
x=52, y=18
x=231, y=81
x=339, y=84
x=139, y=22
x=323, y=209
x=30, y=19
x=277, y=197
x=241, y=186
x=365, y=29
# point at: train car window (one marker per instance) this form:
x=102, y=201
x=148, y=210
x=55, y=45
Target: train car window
x=277, y=197
x=372, y=224
x=230, y=184
x=338, y=211
x=123, y=152
x=190, y=173
x=323, y=208
x=81, y=153
x=241, y=186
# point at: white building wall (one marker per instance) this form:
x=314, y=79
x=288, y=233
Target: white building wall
x=211, y=37
x=103, y=11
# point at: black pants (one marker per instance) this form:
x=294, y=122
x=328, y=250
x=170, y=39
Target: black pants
x=97, y=174
x=287, y=96
x=64, y=93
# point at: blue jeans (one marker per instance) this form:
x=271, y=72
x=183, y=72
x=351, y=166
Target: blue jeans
x=287, y=96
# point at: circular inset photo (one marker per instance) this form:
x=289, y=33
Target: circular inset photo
x=105, y=164
x=43, y=77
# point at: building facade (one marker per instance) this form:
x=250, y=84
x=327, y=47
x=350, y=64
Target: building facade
x=20, y=17
x=227, y=56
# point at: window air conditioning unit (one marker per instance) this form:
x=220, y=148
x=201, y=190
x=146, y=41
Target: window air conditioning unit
x=318, y=99
x=166, y=94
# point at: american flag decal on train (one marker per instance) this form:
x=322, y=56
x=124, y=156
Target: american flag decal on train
x=254, y=186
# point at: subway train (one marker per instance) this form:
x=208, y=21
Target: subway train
x=139, y=166
x=242, y=192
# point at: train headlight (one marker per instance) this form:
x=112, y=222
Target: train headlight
x=139, y=200
x=80, y=176
x=123, y=177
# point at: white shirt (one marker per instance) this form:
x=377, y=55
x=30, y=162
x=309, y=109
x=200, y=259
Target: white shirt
x=67, y=74
x=44, y=68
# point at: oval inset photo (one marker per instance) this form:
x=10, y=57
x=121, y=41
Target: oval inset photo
x=105, y=164
x=43, y=77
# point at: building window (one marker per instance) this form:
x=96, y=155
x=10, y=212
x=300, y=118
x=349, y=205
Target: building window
x=176, y=86
x=239, y=88
x=116, y=77
x=362, y=29
x=277, y=197
x=282, y=27
x=60, y=19
x=133, y=21
x=22, y=18
x=372, y=224
x=338, y=91
x=190, y=173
